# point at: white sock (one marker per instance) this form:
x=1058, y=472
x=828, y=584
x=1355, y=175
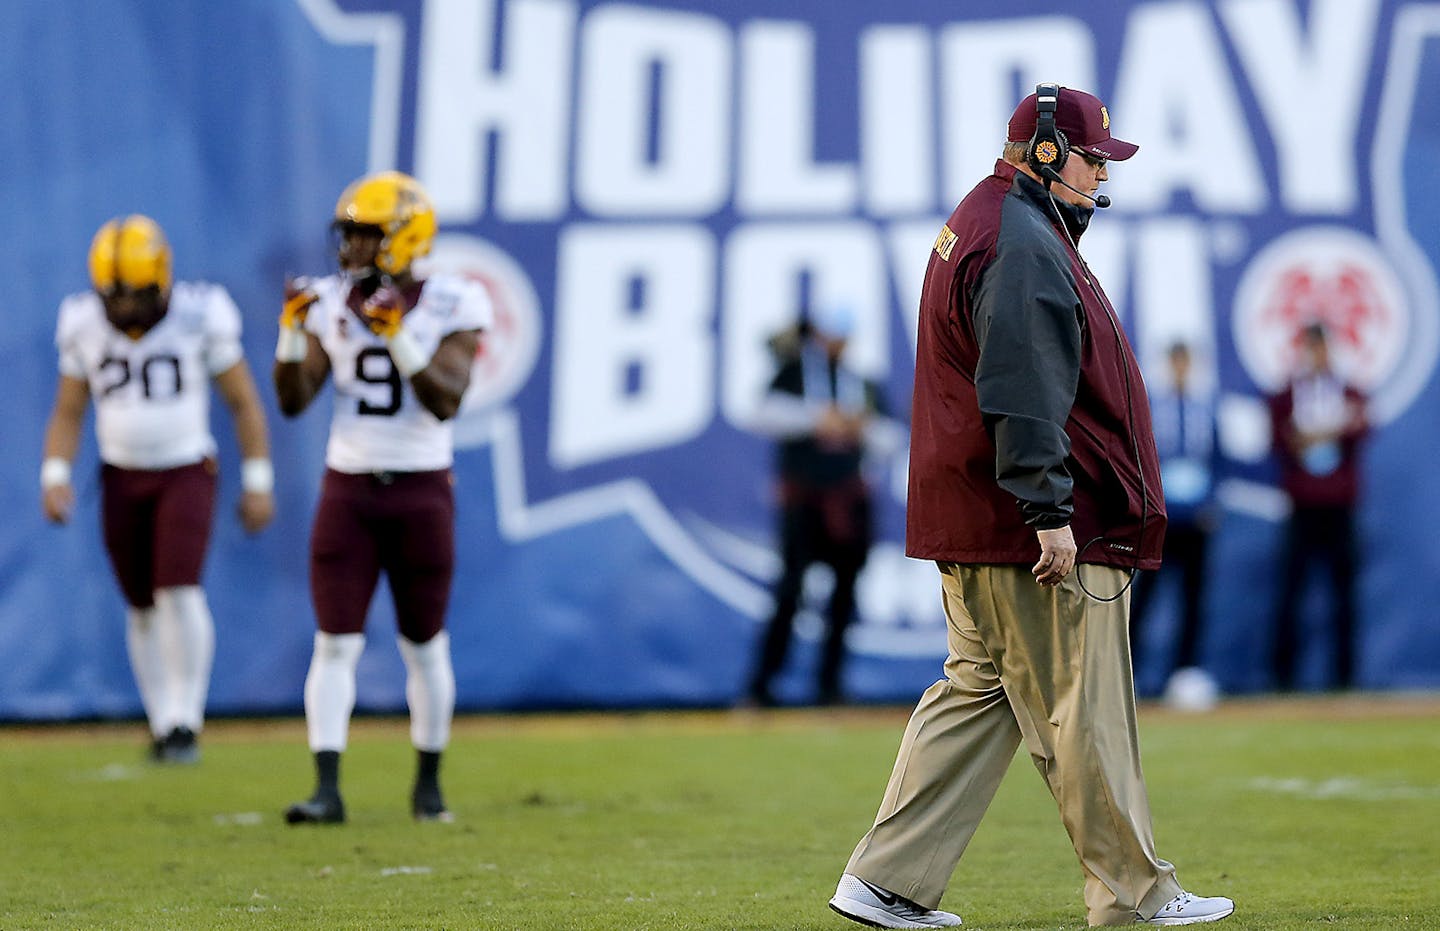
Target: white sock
x=330, y=689
x=430, y=690
x=190, y=651
x=147, y=661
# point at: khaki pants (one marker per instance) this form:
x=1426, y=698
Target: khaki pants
x=1050, y=665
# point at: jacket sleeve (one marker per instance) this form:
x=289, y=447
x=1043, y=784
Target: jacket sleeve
x=1027, y=325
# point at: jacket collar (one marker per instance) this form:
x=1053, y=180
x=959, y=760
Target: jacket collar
x=1077, y=219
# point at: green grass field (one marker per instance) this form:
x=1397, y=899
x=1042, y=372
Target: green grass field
x=1311, y=815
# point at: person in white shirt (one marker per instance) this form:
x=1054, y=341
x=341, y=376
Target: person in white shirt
x=399, y=350
x=1319, y=426
x=146, y=352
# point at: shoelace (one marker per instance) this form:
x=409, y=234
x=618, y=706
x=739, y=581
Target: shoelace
x=1178, y=903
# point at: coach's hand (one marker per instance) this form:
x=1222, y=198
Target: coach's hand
x=1057, y=555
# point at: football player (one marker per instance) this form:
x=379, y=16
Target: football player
x=145, y=353
x=399, y=349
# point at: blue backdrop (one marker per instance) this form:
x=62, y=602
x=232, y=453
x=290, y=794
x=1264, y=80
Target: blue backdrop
x=650, y=188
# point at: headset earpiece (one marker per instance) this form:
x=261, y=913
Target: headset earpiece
x=1048, y=148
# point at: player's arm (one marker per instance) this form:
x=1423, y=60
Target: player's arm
x=62, y=440
x=441, y=384
x=301, y=365
x=297, y=383
x=257, y=475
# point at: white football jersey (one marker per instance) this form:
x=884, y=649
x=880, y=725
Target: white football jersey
x=152, y=394
x=378, y=424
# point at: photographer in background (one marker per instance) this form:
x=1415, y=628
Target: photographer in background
x=819, y=413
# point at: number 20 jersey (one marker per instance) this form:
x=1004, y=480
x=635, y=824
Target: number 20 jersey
x=152, y=394
x=378, y=425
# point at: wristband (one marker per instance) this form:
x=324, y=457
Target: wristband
x=54, y=472
x=257, y=476
x=405, y=350
x=291, y=346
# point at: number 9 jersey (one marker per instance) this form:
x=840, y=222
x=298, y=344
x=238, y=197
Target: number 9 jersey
x=152, y=394
x=378, y=425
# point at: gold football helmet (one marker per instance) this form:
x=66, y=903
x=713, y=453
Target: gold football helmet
x=130, y=251
x=395, y=203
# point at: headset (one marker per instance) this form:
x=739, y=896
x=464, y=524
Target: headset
x=1046, y=153
x=1048, y=148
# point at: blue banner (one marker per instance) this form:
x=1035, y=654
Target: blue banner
x=649, y=189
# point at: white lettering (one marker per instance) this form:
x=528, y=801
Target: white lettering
x=910, y=246
x=901, y=605
x=634, y=363
x=778, y=173
x=676, y=66
x=897, y=123
x=764, y=268
x=1174, y=295
x=462, y=99
x=988, y=68
x=1312, y=96
x=1104, y=248
x=1175, y=97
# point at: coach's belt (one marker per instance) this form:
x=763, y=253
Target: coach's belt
x=387, y=476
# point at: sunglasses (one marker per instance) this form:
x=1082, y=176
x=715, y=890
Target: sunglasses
x=1094, y=161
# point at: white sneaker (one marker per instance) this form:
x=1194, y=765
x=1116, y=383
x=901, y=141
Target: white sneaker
x=1187, y=909
x=870, y=905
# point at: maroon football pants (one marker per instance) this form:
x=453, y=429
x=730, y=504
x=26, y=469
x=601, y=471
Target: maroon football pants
x=157, y=526
x=401, y=523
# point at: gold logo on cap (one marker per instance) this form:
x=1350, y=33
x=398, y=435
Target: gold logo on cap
x=1046, y=152
x=1104, y=118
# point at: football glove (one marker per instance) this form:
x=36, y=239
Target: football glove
x=298, y=298
x=383, y=313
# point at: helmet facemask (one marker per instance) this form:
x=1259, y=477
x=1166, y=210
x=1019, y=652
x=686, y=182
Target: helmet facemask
x=357, y=250
x=395, y=205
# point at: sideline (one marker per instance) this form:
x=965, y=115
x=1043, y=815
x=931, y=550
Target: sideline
x=1350, y=706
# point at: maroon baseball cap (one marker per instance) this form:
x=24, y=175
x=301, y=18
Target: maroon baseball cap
x=1082, y=118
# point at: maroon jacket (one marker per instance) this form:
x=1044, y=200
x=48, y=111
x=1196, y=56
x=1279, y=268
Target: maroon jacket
x=1338, y=484
x=1029, y=408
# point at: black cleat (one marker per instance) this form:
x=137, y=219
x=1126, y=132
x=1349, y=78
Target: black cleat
x=320, y=809
x=179, y=747
x=426, y=804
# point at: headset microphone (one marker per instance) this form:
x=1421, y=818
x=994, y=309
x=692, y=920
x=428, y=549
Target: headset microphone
x=1099, y=200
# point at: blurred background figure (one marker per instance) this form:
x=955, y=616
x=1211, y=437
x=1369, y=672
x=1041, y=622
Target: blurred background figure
x=1318, y=422
x=818, y=410
x=146, y=353
x=1186, y=438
